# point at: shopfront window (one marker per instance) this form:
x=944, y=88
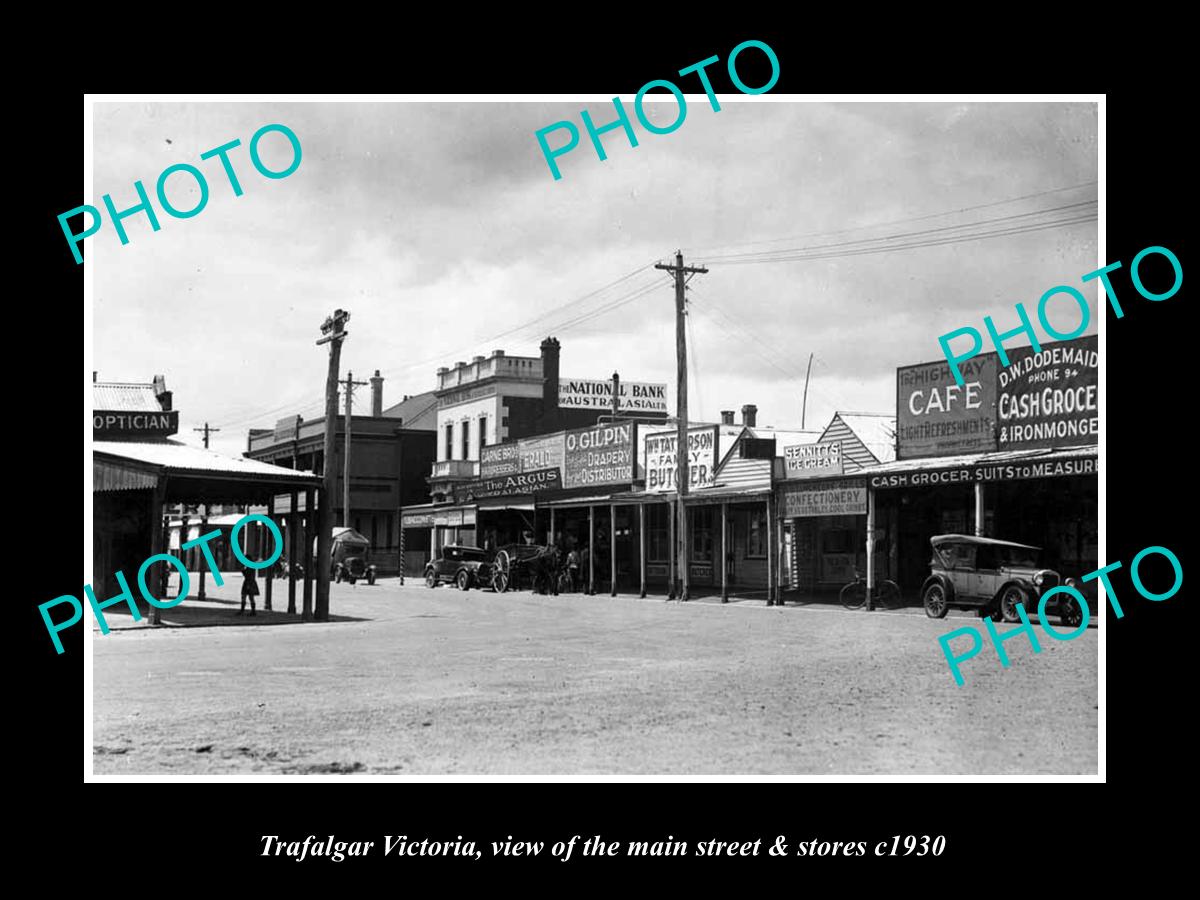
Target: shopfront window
x=756, y=540
x=702, y=533
x=657, y=538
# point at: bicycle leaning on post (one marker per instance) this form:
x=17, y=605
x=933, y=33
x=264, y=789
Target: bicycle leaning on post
x=886, y=595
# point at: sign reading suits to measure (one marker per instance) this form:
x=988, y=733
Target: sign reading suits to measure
x=599, y=455
x=845, y=497
x=812, y=460
x=596, y=393
x=1049, y=399
x=662, y=462
x=936, y=417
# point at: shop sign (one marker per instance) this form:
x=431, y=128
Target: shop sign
x=499, y=459
x=845, y=497
x=596, y=393
x=466, y=395
x=812, y=460
x=1050, y=398
x=701, y=571
x=991, y=472
x=937, y=417
x=599, y=455
x=662, y=462
x=110, y=424
x=287, y=429
x=509, y=485
x=418, y=520
x=541, y=453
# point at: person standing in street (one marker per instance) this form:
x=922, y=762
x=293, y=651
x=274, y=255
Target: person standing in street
x=249, y=590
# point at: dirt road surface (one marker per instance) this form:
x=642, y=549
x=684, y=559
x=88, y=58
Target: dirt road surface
x=410, y=680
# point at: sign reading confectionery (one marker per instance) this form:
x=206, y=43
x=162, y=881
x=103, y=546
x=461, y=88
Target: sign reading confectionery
x=937, y=417
x=662, y=462
x=599, y=455
x=1049, y=399
x=844, y=497
x=596, y=393
x=812, y=460
x=108, y=425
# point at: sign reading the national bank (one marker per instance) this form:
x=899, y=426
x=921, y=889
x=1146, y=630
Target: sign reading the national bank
x=110, y=425
x=591, y=393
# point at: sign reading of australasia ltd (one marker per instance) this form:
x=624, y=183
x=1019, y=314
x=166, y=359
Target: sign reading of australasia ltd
x=600, y=455
x=592, y=393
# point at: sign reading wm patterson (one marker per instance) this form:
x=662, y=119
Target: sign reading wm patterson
x=591, y=393
x=662, y=463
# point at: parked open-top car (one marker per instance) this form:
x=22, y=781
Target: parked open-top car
x=459, y=564
x=992, y=576
x=349, y=560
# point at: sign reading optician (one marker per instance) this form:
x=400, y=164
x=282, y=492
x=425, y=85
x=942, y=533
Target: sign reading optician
x=589, y=393
x=811, y=460
x=600, y=455
x=846, y=497
x=110, y=425
x=662, y=463
x=936, y=417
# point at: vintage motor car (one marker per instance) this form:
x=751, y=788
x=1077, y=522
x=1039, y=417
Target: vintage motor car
x=349, y=559
x=992, y=576
x=462, y=565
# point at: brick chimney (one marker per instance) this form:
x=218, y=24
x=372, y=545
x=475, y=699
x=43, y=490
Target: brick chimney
x=727, y=417
x=376, y=394
x=161, y=392
x=550, y=352
x=749, y=414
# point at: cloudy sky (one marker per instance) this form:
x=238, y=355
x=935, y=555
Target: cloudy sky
x=441, y=229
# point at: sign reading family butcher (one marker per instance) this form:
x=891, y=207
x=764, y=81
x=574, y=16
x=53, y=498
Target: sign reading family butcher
x=937, y=417
x=591, y=393
x=599, y=455
x=509, y=485
x=844, y=497
x=811, y=460
x=499, y=459
x=662, y=463
x=1049, y=399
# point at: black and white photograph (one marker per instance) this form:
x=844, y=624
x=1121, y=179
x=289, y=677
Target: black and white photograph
x=680, y=434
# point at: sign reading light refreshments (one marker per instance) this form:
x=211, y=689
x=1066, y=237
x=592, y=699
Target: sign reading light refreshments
x=596, y=393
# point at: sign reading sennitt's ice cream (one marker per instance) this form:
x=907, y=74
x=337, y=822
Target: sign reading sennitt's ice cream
x=592, y=393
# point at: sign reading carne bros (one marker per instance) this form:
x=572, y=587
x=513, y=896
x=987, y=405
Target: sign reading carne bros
x=600, y=455
x=498, y=459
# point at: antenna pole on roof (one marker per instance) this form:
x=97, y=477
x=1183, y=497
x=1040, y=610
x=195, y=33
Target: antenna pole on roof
x=804, y=405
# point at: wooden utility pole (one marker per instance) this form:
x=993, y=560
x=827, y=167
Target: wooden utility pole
x=679, y=270
x=804, y=405
x=350, y=384
x=334, y=330
x=206, y=429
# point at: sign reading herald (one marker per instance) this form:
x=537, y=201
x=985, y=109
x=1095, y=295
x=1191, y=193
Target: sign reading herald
x=592, y=393
x=110, y=425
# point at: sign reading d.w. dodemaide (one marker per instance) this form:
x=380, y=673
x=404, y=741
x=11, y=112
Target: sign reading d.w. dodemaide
x=600, y=455
x=509, y=485
x=110, y=425
x=1050, y=399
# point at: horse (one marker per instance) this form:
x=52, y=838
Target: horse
x=544, y=568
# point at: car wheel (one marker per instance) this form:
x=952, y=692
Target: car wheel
x=1008, y=603
x=935, y=602
x=1070, y=614
x=431, y=580
x=464, y=580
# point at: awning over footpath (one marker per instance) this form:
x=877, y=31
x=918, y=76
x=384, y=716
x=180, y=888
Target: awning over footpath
x=1008, y=465
x=191, y=474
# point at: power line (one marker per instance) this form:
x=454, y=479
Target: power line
x=906, y=219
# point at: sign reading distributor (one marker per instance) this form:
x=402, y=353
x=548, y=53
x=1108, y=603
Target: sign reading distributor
x=937, y=417
x=811, y=460
x=508, y=485
x=662, y=463
x=845, y=497
x=109, y=424
x=498, y=459
x=599, y=455
x=596, y=393
x=1049, y=399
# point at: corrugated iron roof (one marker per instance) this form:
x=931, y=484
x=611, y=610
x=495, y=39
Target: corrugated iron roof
x=876, y=430
x=125, y=397
x=969, y=459
x=418, y=412
x=176, y=456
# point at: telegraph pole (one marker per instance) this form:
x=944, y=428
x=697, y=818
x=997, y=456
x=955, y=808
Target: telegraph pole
x=350, y=384
x=334, y=330
x=679, y=270
x=206, y=429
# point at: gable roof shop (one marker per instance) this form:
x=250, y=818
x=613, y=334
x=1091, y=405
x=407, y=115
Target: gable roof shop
x=868, y=439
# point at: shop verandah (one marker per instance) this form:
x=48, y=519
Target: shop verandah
x=624, y=543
